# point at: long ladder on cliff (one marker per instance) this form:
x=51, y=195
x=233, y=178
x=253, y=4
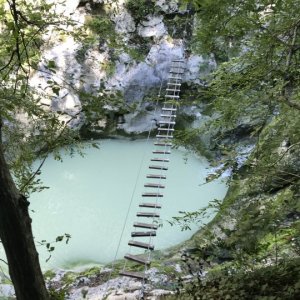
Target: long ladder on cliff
x=149, y=209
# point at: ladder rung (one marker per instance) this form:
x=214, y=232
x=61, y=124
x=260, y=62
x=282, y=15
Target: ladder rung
x=154, y=185
x=173, y=77
x=156, y=176
x=177, y=67
x=137, y=259
x=147, y=215
x=163, y=144
x=168, y=116
x=176, y=84
x=160, y=159
x=169, y=102
x=167, y=122
x=143, y=233
x=136, y=275
x=177, y=71
x=161, y=136
x=150, y=205
x=145, y=225
x=165, y=129
x=172, y=90
x=172, y=96
x=152, y=195
x=141, y=245
x=161, y=152
x=169, y=109
x=158, y=167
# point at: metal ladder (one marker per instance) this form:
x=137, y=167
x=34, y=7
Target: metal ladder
x=154, y=189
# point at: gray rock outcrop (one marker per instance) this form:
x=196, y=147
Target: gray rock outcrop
x=110, y=64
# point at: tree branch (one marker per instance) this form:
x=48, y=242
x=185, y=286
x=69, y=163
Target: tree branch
x=292, y=46
x=22, y=188
x=9, y=62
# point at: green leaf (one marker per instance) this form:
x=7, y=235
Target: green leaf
x=56, y=90
x=59, y=238
x=51, y=64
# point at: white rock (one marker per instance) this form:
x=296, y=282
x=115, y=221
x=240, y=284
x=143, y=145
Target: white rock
x=6, y=290
x=92, y=73
x=125, y=58
x=136, y=80
x=152, y=21
x=135, y=123
x=178, y=268
x=64, y=7
x=112, y=288
x=153, y=26
x=124, y=22
x=193, y=66
x=155, y=277
x=67, y=72
x=123, y=296
x=98, y=1
x=165, y=51
x=160, y=292
x=167, y=6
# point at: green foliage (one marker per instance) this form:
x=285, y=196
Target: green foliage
x=49, y=274
x=92, y=271
x=109, y=67
x=95, y=106
x=98, y=31
x=255, y=43
x=31, y=128
x=262, y=232
x=136, y=54
x=140, y=8
x=190, y=139
x=254, y=92
x=273, y=282
x=69, y=278
x=57, y=295
x=103, y=28
x=199, y=217
x=256, y=223
x=266, y=37
x=103, y=33
x=50, y=245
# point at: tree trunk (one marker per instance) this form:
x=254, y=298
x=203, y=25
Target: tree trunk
x=17, y=239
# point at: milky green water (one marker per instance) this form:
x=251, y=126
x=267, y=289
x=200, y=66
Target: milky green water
x=89, y=198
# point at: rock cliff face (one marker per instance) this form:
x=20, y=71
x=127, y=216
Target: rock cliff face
x=123, y=52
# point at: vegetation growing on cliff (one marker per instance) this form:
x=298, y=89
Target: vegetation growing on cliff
x=140, y=9
x=255, y=95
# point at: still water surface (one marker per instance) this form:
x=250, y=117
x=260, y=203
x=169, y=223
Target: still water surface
x=89, y=198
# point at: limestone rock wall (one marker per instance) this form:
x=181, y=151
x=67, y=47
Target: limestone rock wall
x=120, y=51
